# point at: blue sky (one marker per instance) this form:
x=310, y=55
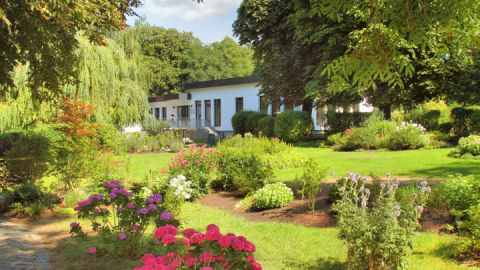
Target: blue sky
x=209, y=21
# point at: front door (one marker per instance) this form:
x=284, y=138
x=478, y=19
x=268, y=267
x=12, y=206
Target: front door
x=198, y=113
x=208, y=113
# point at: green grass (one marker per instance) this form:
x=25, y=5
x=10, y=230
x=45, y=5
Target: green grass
x=429, y=163
x=280, y=246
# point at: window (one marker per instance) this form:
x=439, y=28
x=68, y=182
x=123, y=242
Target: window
x=238, y=104
x=208, y=114
x=263, y=104
x=157, y=113
x=217, y=107
x=164, y=113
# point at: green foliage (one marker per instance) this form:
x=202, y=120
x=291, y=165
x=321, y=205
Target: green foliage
x=266, y=126
x=461, y=192
x=380, y=236
x=358, y=138
x=430, y=115
x=164, y=141
x=252, y=122
x=407, y=136
x=311, y=181
x=468, y=147
x=239, y=121
x=334, y=139
x=464, y=121
x=73, y=197
x=54, y=25
x=272, y=196
x=339, y=122
x=154, y=127
x=109, y=139
x=293, y=126
x=244, y=171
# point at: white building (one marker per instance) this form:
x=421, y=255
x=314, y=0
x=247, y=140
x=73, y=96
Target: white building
x=213, y=103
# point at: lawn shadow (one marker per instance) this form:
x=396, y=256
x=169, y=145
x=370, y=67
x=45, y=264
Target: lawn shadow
x=464, y=168
x=319, y=264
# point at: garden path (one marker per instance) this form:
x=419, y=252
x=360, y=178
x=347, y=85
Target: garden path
x=18, y=250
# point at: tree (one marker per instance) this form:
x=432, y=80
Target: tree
x=43, y=34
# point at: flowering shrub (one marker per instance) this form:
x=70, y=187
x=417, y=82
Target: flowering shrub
x=468, y=147
x=197, y=164
x=272, y=196
x=196, y=250
x=378, y=236
x=120, y=216
x=407, y=136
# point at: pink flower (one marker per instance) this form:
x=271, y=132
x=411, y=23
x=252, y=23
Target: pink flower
x=206, y=268
x=112, y=195
x=130, y=205
x=136, y=227
x=189, y=232
x=122, y=236
x=224, y=241
x=168, y=238
x=74, y=224
x=238, y=244
x=92, y=250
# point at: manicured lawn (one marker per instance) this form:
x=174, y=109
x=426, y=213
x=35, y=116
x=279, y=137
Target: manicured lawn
x=431, y=164
x=280, y=246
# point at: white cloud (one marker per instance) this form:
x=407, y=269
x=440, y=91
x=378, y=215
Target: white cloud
x=187, y=10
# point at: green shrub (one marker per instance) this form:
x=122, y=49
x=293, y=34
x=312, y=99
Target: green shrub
x=35, y=209
x=465, y=121
x=239, y=122
x=266, y=126
x=272, y=196
x=5, y=200
x=311, y=181
x=175, y=147
x=72, y=197
x=109, y=139
x=154, y=126
x=293, y=126
x=461, y=192
x=339, y=122
x=470, y=144
x=407, y=136
x=438, y=139
x=358, y=138
x=244, y=171
x=251, y=124
x=334, y=139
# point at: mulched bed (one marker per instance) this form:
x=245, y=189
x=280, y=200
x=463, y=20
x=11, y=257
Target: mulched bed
x=297, y=211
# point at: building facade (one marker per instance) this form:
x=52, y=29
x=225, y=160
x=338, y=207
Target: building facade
x=213, y=103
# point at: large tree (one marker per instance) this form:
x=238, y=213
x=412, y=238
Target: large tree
x=43, y=33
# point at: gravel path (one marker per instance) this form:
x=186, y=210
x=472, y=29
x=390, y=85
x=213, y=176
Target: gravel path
x=18, y=250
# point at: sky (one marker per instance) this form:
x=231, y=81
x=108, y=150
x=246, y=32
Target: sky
x=209, y=21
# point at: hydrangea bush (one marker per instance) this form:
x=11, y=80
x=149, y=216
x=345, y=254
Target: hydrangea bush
x=197, y=164
x=378, y=235
x=120, y=217
x=196, y=250
x=272, y=196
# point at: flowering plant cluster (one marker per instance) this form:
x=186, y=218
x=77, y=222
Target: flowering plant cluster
x=405, y=125
x=197, y=164
x=120, y=216
x=196, y=250
x=378, y=234
x=181, y=187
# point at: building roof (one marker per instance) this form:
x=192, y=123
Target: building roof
x=222, y=82
x=167, y=97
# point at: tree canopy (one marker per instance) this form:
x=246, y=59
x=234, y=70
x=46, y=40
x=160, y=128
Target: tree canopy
x=43, y=33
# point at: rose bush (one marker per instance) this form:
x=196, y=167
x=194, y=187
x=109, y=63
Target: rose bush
x=196, y=250
x=197, y=164
x=120, y=217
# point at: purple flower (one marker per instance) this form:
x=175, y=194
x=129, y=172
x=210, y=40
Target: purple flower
x=112, y=195
x=150, y=200
x=130, y=205
x=142, y=211
x=136, y=227
x=364, y=179
x=424, y=183
x=388, y=174
x=96, y=197
x=157, y=198
x=152, y=207
x=396, y=183
x=74, y=224
x=165, y=215
x=119, y=209
x=122, y=236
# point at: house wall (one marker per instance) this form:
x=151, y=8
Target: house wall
x=227, y=95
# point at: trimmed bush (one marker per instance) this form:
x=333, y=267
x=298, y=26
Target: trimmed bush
x=468, y=147
x=239, y=121
x=272, y=196
x=266, y=126
x=339, y=122
x=358, y=138
x=407, y=136
x=293, y=126
x=251, y=124
x=464, y=121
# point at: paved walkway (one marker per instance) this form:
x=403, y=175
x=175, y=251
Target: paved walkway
x=17, y=248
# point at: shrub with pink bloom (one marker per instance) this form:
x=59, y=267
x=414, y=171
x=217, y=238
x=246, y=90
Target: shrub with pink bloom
x=120, y=217
x=197, y=164
x=196, y=250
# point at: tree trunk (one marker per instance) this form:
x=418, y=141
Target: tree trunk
x=307, y=105
x=387, y=111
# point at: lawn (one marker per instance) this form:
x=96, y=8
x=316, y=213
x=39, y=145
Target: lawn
x=280, y=246
x=429, y=163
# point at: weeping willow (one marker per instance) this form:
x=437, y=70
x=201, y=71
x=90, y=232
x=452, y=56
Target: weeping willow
x=112, y=79
x=17, y=109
